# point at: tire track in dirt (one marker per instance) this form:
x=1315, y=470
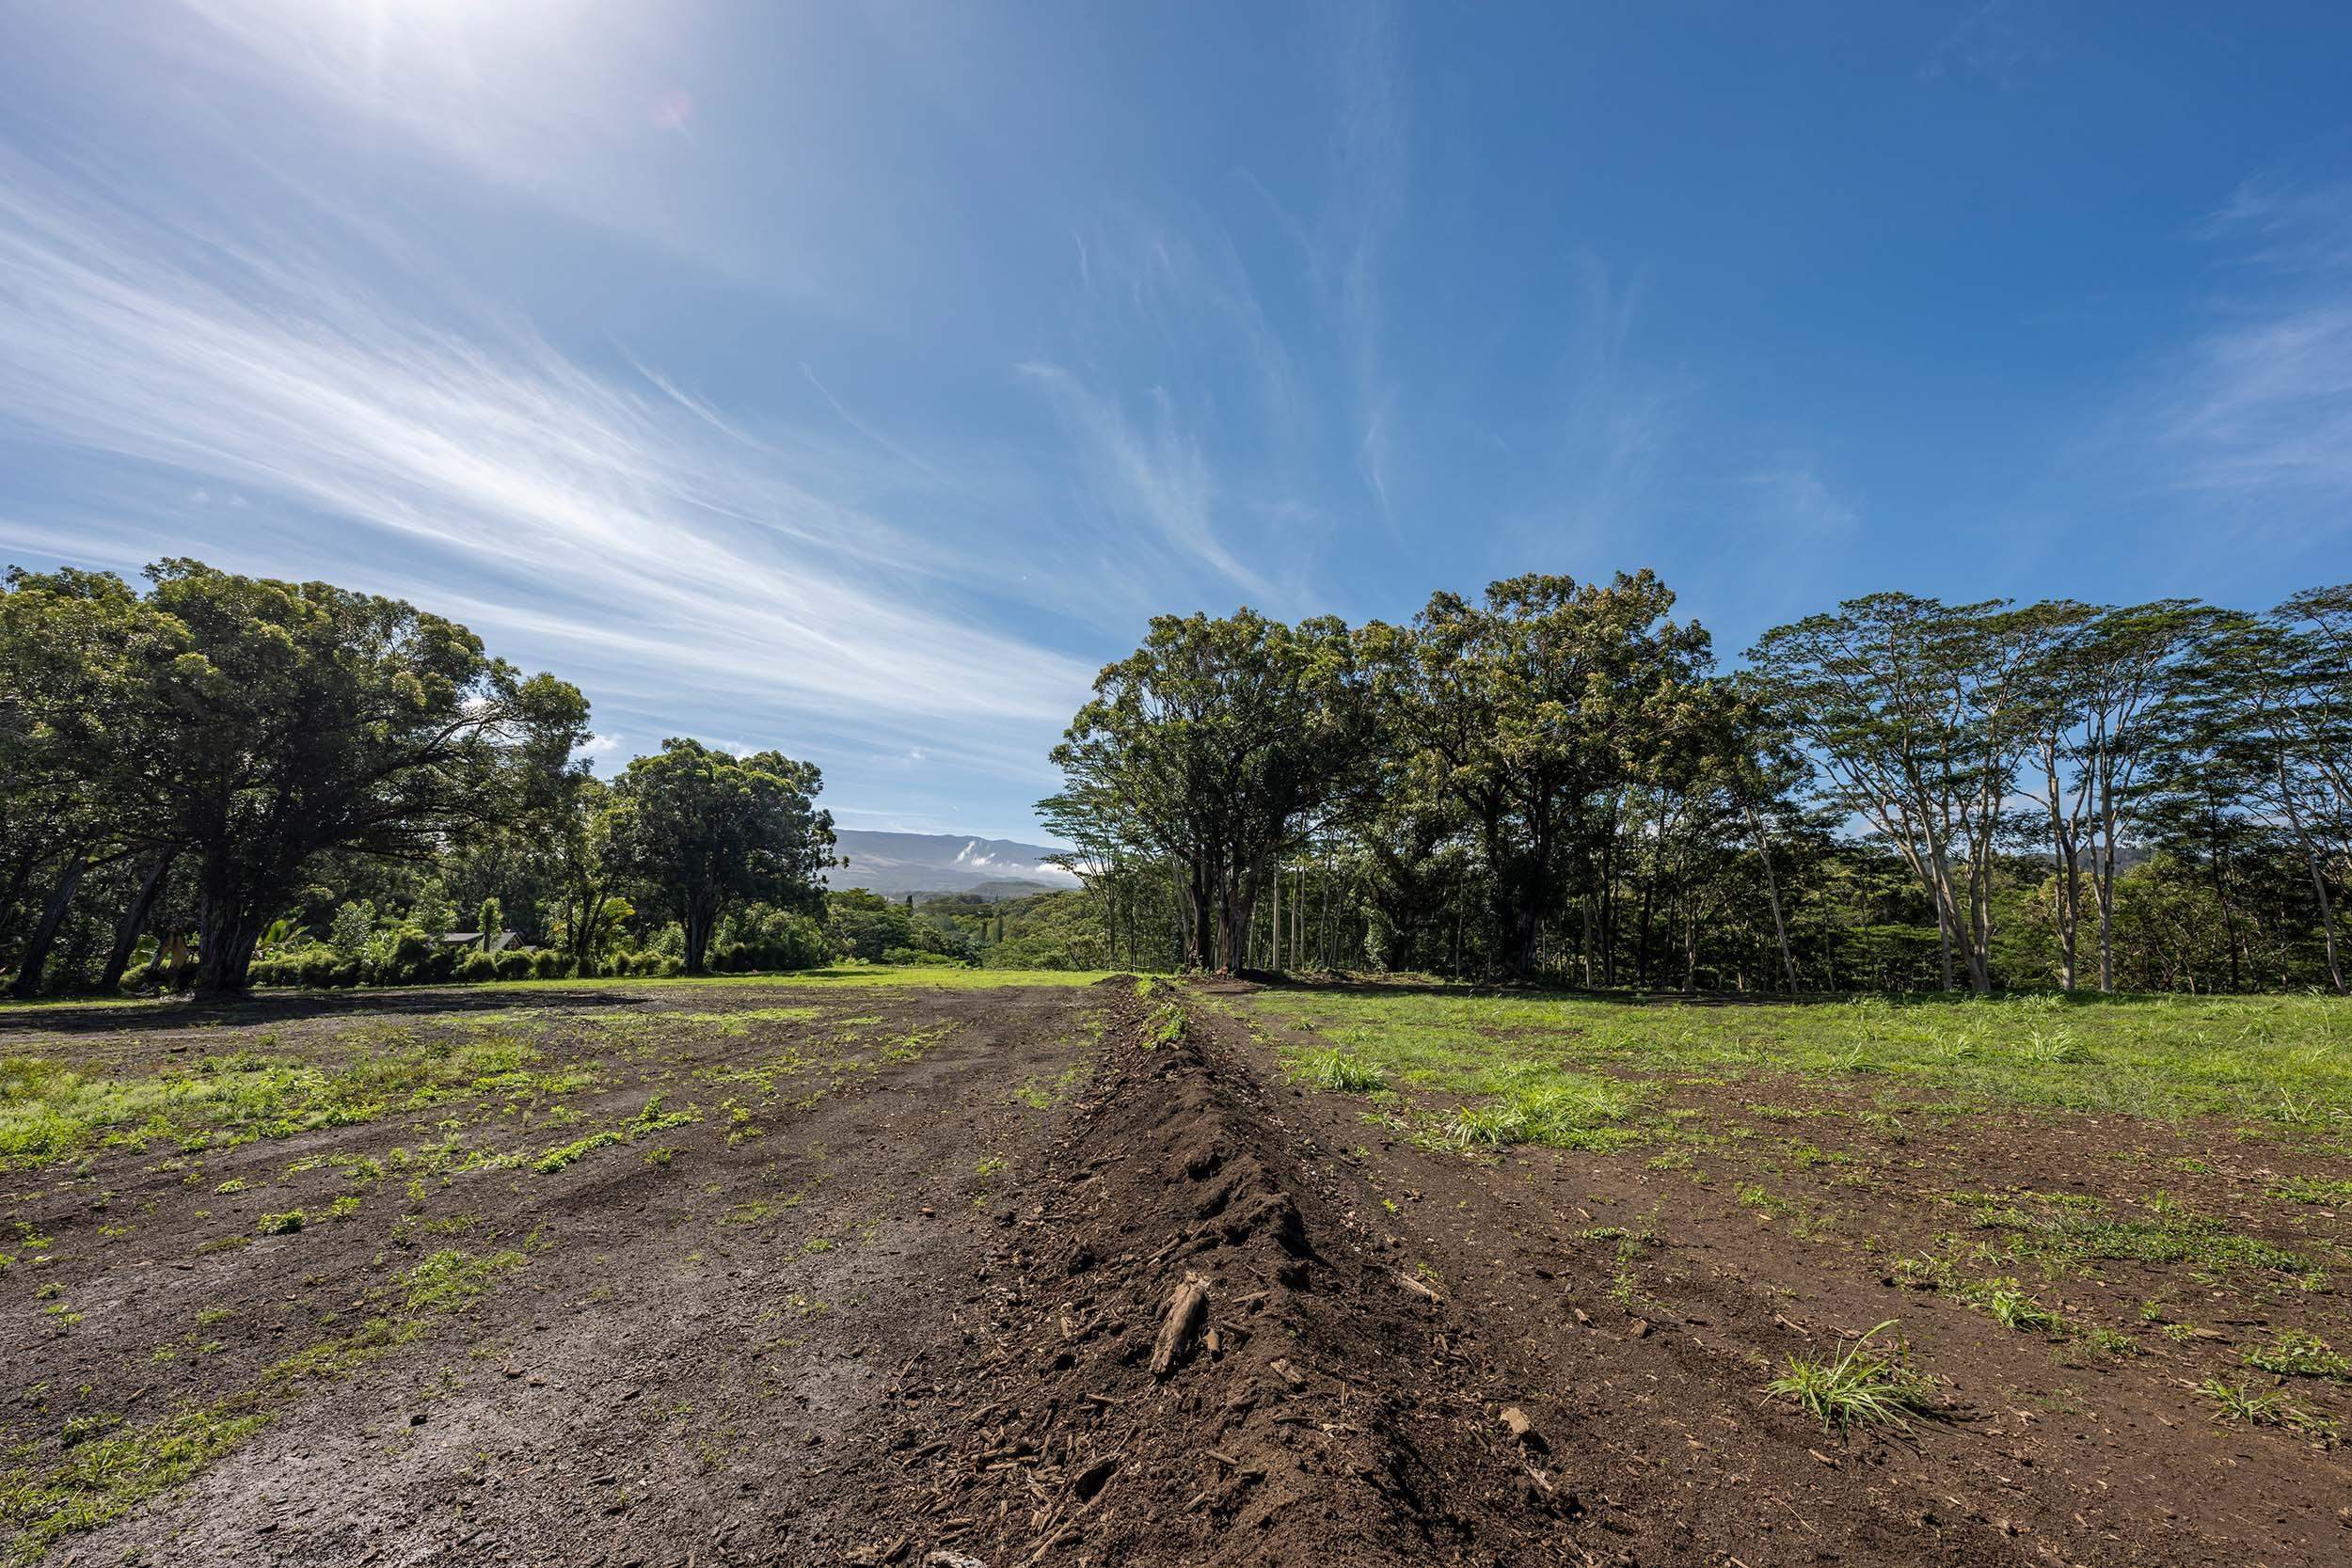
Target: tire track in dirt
x=660, y=1378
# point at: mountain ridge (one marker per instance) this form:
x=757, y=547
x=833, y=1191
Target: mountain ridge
x=894, y=863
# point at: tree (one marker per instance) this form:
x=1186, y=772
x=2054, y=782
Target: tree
x=1530, y=710
x=68, y=641
x=266, y=723
x=2099, y=686
x=1219, y=744
x=701, y=831
x=1914, y=712
x=2275, y=696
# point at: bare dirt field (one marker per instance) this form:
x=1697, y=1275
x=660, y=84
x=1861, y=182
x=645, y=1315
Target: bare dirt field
x=1126, y=1272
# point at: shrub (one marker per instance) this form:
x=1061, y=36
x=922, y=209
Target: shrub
x=404, y=956
x=513, y=964
x=276, y=972
x=918, y=957
x=477, y=965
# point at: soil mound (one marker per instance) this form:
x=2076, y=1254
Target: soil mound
x=1176, y=1359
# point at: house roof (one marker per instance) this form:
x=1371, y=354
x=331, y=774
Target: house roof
x=499, y=942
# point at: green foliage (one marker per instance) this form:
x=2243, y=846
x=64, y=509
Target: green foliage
x=347, y=934
x=1556, y=1110
x=703, y=831
x=2012, y=1305
x=1857, y=1385
x=1337, y=1069
x=2294, y=1354
x=1213, y=743
x=869, y=926
x=2255, y=1061
x=50, y=1112
x=255, y=725
x=652, y=1119
x=2235, y=1403
x=450, y=1279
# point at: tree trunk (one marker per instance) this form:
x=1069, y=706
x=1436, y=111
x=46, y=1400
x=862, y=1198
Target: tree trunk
x=2218, y=860
x=17, y=875
x=1273, y=935
x=2319, y=880
x=1323, y=932
x=2067, y=891
x=1772, y=893
x=127, y=934
x=225, y=934
x=2103, y=881
x=36, y=955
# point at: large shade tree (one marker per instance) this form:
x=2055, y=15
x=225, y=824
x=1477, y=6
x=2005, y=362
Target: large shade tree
x=700, y=830
x=1531, y=709
x=1916, y=714
x=1219, y=744
x=252, y=726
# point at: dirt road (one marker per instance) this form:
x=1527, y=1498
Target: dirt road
x=912, y=1277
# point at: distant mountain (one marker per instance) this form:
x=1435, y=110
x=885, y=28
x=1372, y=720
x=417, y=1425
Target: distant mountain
x=943, y=862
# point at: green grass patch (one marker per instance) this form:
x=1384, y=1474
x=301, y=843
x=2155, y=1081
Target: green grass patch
x=2012, y=1305
x=2281, y=1062
x=2243, y=1407
x=1340, y=1070
x=50, y=1112
x=97, y=1479
x=650, y=1119
x=2294, y=1354
x=2312, y=1189
x=1557, y=1111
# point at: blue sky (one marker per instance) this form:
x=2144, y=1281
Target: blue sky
x=857, y=379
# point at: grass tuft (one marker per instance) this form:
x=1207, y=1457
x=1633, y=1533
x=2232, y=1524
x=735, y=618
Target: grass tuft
x=1340, y=1069
x=1857, y=1386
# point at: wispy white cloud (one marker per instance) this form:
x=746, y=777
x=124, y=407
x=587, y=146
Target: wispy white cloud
x=1795, y=498
x=2001, y=40
x=2257, y=408
x=1368, y=203
x=576, y=104
x=1153, y=472
x=621, y=524
x=1619, y=413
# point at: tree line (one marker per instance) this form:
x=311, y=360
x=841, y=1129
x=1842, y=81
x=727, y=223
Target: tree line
x=1555, y=782
x=221, y=777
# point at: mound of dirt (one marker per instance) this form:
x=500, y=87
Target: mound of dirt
x=1170, y=1366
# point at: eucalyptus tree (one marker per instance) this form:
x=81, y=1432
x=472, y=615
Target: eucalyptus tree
x=701, y=831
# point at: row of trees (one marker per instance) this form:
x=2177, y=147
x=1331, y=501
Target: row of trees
x=1556, y=781
x=222, y=761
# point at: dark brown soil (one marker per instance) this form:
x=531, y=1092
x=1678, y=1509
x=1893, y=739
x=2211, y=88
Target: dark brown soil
x=904, y=1296
x=1782, y=1238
